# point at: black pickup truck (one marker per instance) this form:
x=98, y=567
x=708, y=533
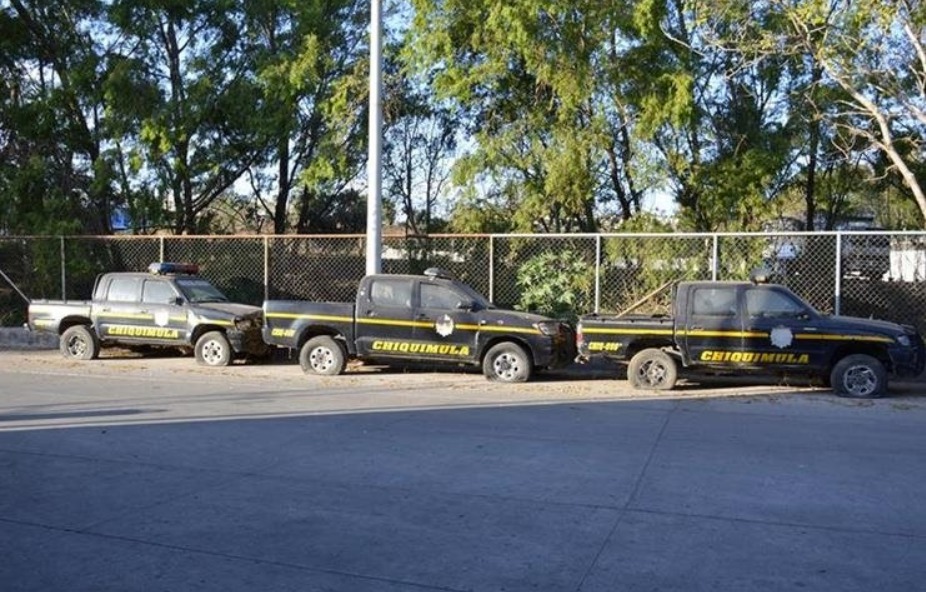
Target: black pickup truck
x=168, y=306
x=743, y=327
x=411, y=318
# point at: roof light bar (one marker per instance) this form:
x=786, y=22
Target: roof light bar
x=164, y=268
x=436, y=272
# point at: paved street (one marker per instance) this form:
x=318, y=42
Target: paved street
x=156, y=474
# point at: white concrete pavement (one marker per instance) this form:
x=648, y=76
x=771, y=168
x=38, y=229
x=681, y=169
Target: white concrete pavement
x=155, y=474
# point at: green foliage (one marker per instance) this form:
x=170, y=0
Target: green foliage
x=559, y=284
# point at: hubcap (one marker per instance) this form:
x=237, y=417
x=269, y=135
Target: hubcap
x=507, y=366
x=861, y=381
x=77, y=346
x=653, y=373
x=213, y=353
x=321, y=359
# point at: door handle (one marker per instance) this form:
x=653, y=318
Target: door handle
x=371, y=313
x=423, y=317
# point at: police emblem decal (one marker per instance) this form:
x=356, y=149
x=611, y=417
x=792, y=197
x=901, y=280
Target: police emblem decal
x=781, y=337
x=161, y=318
x=444, y=326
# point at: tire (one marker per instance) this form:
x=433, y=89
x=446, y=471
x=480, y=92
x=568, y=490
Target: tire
x=859, y=376
x=507, y=362
x=323, y=355
x=213, y=349
x=79, y=343
x=652, y=369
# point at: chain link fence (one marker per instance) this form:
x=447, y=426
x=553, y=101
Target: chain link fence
x=867, y=274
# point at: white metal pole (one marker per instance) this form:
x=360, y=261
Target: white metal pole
x=374, y=159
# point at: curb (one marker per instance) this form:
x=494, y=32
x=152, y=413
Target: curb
x=23, y=339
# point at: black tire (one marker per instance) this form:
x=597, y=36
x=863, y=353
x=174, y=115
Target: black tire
x=652, y=369
x=859, y=376
x=323, y=355
x=213, y=349
x=507, y=362
x=79, y=343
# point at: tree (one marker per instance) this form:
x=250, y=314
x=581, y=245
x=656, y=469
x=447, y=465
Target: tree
x=874, y=52
x=309, y=60
x=55, y=172
x=197, y=130
x=539, y=84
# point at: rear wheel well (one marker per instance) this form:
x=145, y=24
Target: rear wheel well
x=68, y=322
x=317, y=330
x=638, y=346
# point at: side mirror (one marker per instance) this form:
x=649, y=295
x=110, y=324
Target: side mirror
x=178, y=301
x=466, y=305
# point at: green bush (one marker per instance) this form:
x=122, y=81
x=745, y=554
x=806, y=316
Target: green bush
x=557, y=284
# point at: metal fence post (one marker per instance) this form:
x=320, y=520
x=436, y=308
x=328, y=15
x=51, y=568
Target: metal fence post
x=491, y=268
x=597, y=273
x=266, y=268
x=715, y=258
x=161, y=242
x=837, y=296
x=64, y=275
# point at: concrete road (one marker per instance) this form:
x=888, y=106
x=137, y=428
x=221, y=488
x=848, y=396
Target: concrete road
x=155, y=474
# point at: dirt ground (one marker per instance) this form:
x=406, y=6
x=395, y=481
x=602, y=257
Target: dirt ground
x=599, y=380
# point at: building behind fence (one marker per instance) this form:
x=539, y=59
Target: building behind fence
x=870, y=274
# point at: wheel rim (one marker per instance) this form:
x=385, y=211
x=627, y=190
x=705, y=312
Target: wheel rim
x=653, y=373
x=507, y=366
x=213, y=352
x=76, y=346
x=861, y=381
x=321, y=359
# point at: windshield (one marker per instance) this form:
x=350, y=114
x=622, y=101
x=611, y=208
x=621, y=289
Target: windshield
x=480, y=300
x=200, y=290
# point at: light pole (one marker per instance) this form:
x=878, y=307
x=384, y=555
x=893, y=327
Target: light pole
x=374, y=158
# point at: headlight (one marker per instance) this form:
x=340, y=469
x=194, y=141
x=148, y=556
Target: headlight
x=547, y=327
x=904, y=340
x=245, y=324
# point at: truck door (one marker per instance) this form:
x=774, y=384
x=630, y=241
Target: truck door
x=714, y=326
x=446, y=326
x=782, y=329
x=384, y=318
x=168, y=316
x=117, y=314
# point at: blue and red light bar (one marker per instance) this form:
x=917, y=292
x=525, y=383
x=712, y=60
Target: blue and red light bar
x=164, y=268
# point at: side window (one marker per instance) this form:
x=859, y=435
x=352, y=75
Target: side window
x=123, y=289
x=389, y=292
x=434, y=296
x=157, y=292
x=714, y=302
x=773, y=304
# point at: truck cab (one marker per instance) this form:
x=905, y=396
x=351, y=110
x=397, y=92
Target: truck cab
x=755, y=328
x=169, y=305
x=430, y=318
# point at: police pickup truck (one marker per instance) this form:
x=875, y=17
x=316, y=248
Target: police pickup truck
x=741, y=328
x=409, y=318
x=170, y=305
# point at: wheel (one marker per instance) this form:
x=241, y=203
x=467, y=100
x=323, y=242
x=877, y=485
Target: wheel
x=79, y=343
x=652, y=369
x=213, y=349
x=323, y=355
x=507, y=362
x=859, y=376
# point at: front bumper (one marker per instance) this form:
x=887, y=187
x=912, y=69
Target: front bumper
x=557, y=350
x=248, y=342
x=909, y=362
